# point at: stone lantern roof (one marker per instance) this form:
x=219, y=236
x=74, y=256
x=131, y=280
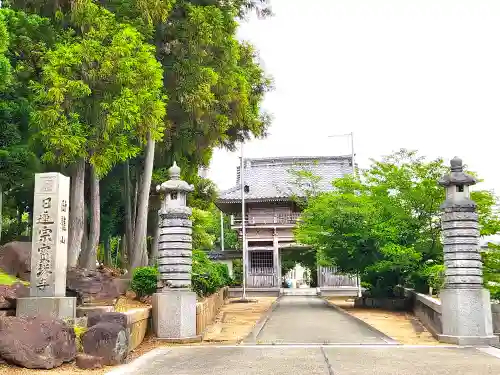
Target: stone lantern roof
x=175, y=183
x=457, y=175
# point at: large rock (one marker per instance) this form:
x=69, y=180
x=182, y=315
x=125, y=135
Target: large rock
x=36, y=342
x=107, y=317
x=15, y=259
x=106, y=340
x=10, y=293
x=88, y=286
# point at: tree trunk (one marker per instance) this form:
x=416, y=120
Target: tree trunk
x=154, y=244
x=138, y=180
x=107, y=251
x=129, y=229
x=95, y=221
x=76, y=213
x=85, y=238
x=142, y=207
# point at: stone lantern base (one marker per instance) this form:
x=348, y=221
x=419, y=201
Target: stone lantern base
x=466, y=317
x=174, y=316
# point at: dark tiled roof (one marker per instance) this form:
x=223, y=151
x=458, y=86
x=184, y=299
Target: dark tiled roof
x=271, y=178
x=224, y=255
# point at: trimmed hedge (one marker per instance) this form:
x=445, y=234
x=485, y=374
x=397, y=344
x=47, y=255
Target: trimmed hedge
x=144, y=281
x=207, y=277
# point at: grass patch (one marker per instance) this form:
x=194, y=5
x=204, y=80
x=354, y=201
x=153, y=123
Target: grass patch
x=6, y=279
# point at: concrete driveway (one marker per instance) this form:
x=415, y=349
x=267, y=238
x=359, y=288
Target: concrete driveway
x=303, y=335
x=310, y=320
x=313, y=360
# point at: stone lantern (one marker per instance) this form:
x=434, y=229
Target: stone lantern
x=175, y=244
x=465, y=304
x=174, y=306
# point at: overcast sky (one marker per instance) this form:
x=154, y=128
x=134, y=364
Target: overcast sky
x=419, y=74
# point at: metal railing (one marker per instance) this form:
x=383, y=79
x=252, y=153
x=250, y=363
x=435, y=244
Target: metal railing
x=279, y=219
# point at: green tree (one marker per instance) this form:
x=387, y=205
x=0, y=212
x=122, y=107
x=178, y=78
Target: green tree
x=491, y=270
x=215, y=87
x=386, y=225
x=5, y=74
x=29, y=37
x=99, y=100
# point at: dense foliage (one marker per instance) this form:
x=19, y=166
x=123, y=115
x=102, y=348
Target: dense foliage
x=144, y=281
x=208, y=276
x=385, y=224
x=111, y=93
x=491, y=270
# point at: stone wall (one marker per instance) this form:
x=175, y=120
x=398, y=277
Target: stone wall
x=428, y=311
x=207, y=310
x=495, y=312
x=137, y=325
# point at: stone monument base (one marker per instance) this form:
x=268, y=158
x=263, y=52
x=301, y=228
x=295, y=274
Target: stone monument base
x=466, y=317
x=174, y=316
x=469, y=340
x=55, y=307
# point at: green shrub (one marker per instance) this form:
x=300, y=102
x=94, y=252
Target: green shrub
x=79, y=331
x=237, y=272
x=435, y=277
x=224, y=273
x=494, y=292
x=144, y=281
x=207, y=276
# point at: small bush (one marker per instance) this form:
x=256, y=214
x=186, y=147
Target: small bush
x=144, y=281
x=207, y=276
x=79, y=331
x=494, y=292
x=224, y=273
x=237, y=272
x=435, y=277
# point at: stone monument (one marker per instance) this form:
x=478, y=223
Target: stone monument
x=174, y=306
x=465, y=304
x=49, y=250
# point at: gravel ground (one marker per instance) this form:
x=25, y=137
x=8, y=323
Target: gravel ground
x=232, y=324
x=403, y=327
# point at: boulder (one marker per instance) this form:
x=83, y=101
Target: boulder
x=10, y=293
x=89, y=286
x=15, y=259
x=86, y=361
x=106, y=340
x=107, y=317
x=36, y=342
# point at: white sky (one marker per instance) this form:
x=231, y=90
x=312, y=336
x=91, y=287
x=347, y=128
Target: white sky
x=419, y=74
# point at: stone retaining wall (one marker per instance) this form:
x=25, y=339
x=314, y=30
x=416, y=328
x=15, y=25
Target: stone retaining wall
x=207, y=310
x=137, y=325
x=137, y=320
x=495, y=312
x=428, y=311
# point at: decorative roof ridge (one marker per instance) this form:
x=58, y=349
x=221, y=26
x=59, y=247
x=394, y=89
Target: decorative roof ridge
x=284, y=159
x=230, y=190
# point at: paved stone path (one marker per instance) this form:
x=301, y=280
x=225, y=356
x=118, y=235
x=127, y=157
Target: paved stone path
x=310, y=320
x=313, y=360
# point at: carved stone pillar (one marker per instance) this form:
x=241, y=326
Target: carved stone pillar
x=174, y=306
x=465, y=304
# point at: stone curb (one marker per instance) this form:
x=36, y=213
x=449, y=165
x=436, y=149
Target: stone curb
x=252, y=336
x=389, y=340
